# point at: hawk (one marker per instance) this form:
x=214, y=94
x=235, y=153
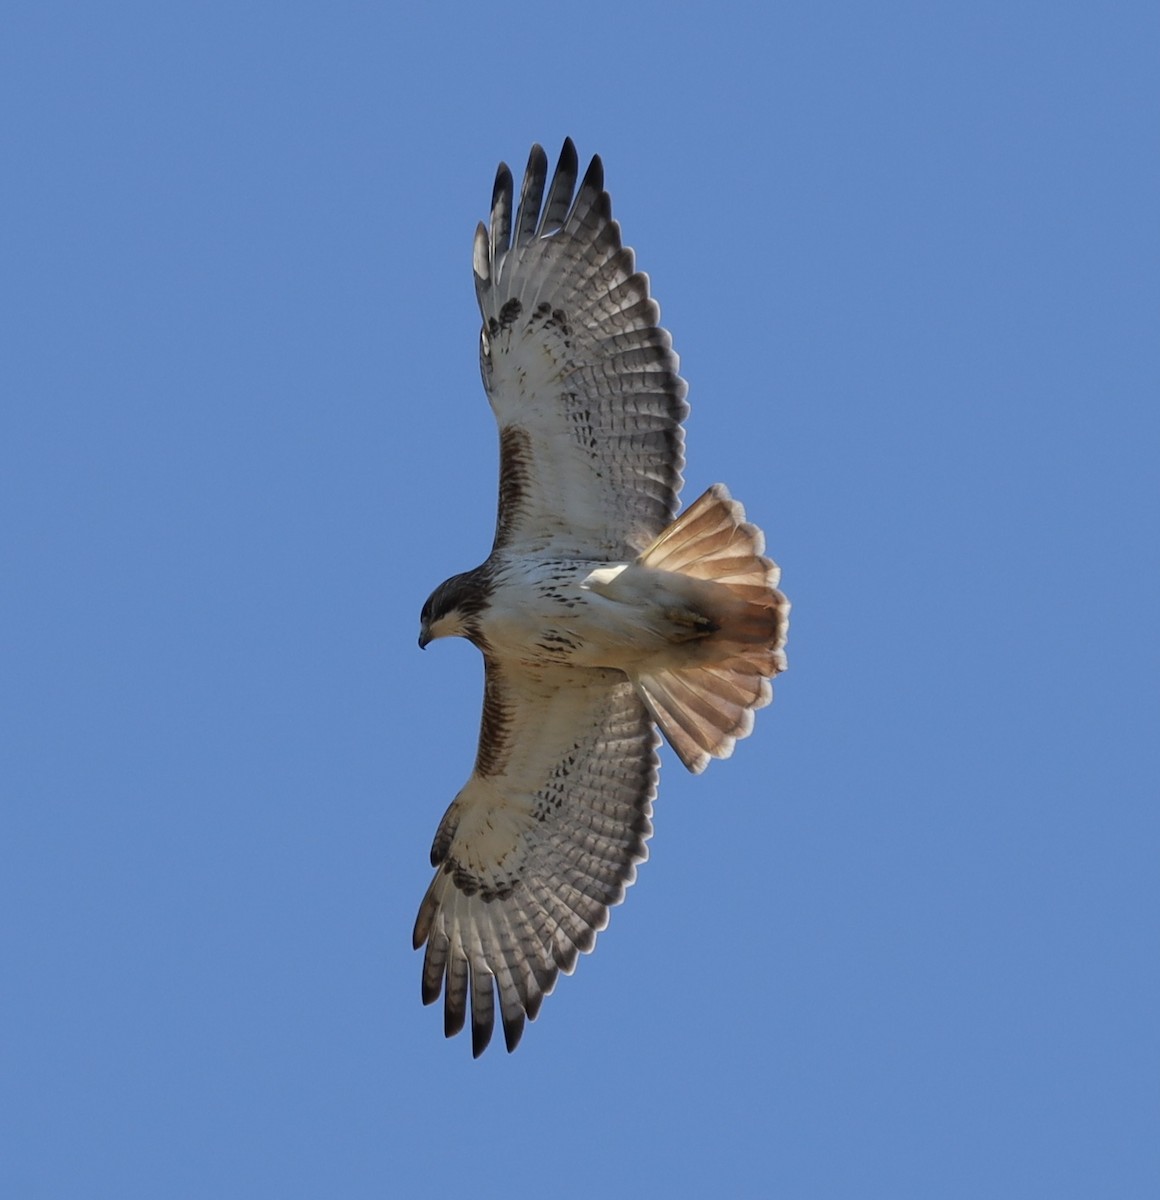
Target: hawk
x=600, y=617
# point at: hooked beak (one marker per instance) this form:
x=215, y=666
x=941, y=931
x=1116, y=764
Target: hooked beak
x=424, y=637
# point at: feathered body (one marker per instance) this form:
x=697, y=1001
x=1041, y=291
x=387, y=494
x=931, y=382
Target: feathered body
x=599, y=616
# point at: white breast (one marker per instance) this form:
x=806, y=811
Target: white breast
x=583, y=613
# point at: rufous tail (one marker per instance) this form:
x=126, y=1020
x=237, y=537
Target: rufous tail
x=704, y=707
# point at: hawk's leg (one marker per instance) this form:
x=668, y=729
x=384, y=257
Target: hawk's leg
x=688, y=625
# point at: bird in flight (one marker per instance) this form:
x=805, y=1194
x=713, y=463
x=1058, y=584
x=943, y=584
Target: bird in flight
x=601, y=614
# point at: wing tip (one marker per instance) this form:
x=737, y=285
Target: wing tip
x=513, y=1028
x=480, y=1039
x=568, y=154
x=593, y=180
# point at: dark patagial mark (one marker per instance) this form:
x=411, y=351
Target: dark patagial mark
x=515, y=456
x=494, y=727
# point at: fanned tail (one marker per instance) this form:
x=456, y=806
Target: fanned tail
x=704, y=707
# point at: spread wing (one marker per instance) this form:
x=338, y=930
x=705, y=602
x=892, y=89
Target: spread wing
x=544, y=837
x=581, y=378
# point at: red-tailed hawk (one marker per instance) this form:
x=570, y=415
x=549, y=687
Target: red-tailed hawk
x=599, y=616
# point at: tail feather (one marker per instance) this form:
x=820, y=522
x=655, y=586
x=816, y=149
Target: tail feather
x=685, y=731
x=703, y=707
x=737, y=687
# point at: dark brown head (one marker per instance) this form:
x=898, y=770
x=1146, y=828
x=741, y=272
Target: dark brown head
x=454, y=606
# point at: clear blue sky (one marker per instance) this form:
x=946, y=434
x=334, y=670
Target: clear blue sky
x=905, y=944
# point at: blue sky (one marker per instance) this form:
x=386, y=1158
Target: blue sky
x=904, y=944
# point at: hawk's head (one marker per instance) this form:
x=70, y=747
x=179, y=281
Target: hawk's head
x=453, y=607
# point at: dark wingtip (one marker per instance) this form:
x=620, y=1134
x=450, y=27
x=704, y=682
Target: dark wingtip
x=559, y=200
x=594, y=176
x=501, y=211
x=454, y=1017
x=531, y=195
x=419, y=929
x=513, y=1030
x=503, y=183
x=480, y=1038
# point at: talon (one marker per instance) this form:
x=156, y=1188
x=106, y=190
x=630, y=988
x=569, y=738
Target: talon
x=690, y=625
